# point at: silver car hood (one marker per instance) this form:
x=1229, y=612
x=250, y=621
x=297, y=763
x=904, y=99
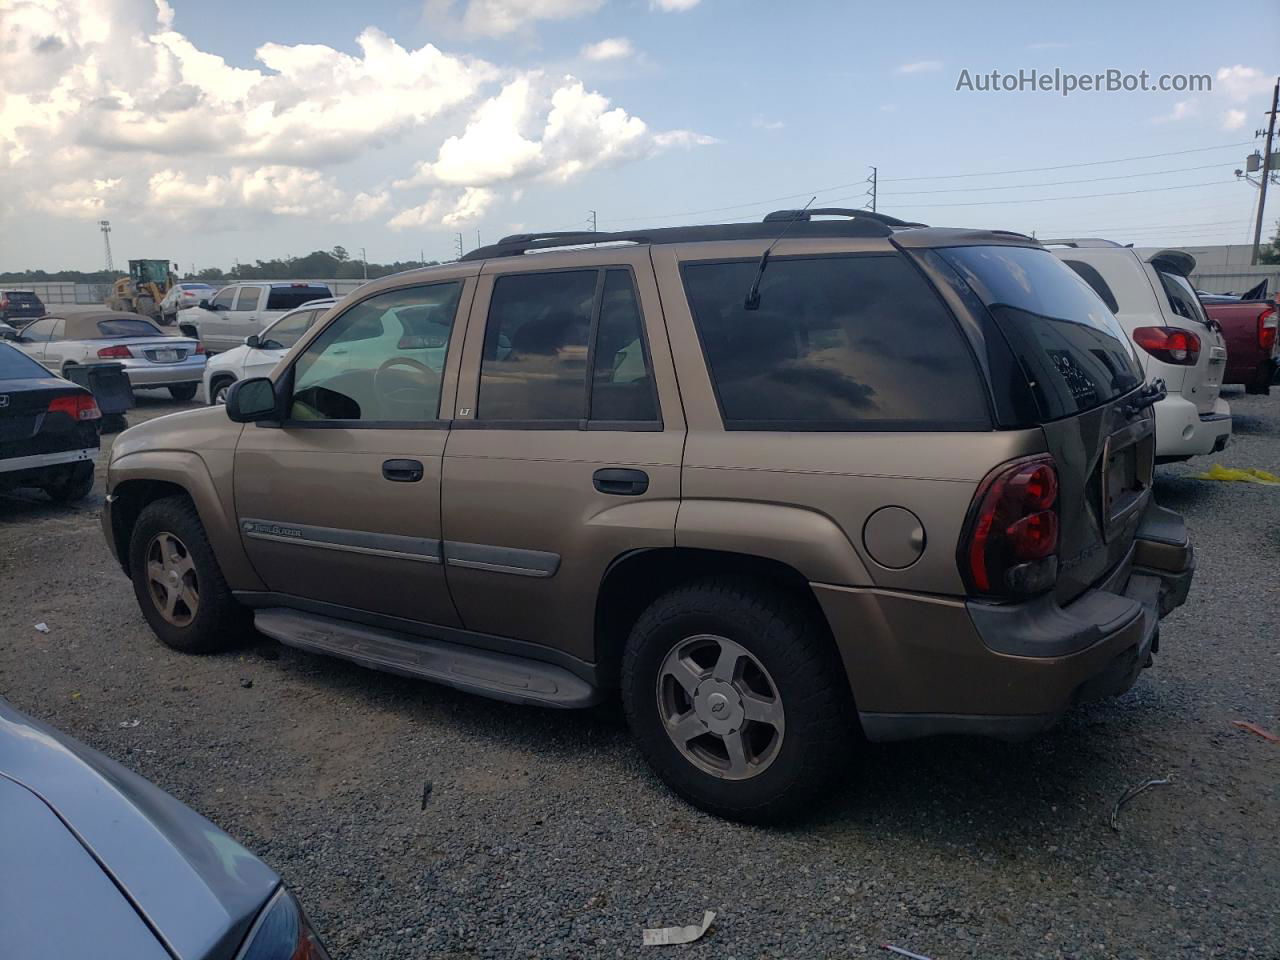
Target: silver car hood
x=196, y=888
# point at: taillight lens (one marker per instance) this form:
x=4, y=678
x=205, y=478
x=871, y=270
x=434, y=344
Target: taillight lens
x=199, y=348
x=79, y=406
x=1169, y=344
x=1267, y=329
x=115, y=353
x=1012, y=534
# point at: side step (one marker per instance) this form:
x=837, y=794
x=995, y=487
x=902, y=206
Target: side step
x=497, y=675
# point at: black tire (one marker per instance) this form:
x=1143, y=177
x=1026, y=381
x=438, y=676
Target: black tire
x=184, y=392
x=218, y=622
x=219, y=386
x=71, y=484
x=796, y=650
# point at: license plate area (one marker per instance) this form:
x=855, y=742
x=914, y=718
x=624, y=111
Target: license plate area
x=164, y=356
x=1127, y=467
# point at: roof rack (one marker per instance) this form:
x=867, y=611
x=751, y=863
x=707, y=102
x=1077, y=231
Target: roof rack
x=1080, y=242
x=839, y=212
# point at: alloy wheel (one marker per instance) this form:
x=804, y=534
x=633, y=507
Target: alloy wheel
x=171, y=579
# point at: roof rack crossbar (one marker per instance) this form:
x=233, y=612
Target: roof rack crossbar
x=1079, y=242
x=888, y=221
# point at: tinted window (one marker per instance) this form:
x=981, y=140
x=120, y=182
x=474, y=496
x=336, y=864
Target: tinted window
x=380, y=360
x=289, y=298
x=18, y=296
x=248, y=299
x=1070, y=347
x=40, y=331
x=195, y=286
x=836, y=343
x=1094, y=279
x=534, y=365
x=622, y=382
x=128, y=328
x=224, y=297
x=288, y=330
x=1182, y=297
x=18, y=366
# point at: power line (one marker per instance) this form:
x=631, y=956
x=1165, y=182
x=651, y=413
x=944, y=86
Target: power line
x=1055, y=183
x=1076, y=196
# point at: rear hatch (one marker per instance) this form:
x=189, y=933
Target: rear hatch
x=21, y=303
x=1079, y=381
x=1202, y=381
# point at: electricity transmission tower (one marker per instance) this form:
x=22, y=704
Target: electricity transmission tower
x=105, y=227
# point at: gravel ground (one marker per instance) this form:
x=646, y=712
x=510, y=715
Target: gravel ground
x=544, y=835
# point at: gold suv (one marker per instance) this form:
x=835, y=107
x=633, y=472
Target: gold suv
x=779, y=485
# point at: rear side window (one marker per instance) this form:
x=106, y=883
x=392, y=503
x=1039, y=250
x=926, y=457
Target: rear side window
x=1094, y=279
x=127, y=328
x=15, y=365
x=1182, y=296
x=566, y=348
x=1070, y=347
x=289, y=298
x=837, y=343
x=249, y=297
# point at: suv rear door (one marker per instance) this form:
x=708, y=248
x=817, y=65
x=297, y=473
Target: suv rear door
x=1201, y=383
x=566, y=442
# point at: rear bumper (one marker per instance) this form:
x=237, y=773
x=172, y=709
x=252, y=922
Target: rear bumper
x=1182, y=431
x=38, y=461
x=921, y=665
x=144, y=373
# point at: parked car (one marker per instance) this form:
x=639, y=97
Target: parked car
x=150, y=357
x=766, y=488
x=1176, y=340
x=182, y=295
x=18, y=307
x=1249, y=327
x=243, y=309
x=260, y=353
x=49, y=430
x=100, y=863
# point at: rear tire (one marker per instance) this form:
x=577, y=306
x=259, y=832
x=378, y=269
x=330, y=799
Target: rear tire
x=184, y=392
x=178, y=583
x=218, y=390
x=724, y=661
x=73, y=484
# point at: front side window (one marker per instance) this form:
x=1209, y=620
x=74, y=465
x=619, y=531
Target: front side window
x=381, y=360
x=249, y=298
x=224, y=298
x=566, y=347
x=288, y=330
x=39, y=332
x=836, y=343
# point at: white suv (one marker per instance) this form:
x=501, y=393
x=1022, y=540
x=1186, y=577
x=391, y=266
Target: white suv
x=244, y=309
x=1159, y=310
x=260, y=353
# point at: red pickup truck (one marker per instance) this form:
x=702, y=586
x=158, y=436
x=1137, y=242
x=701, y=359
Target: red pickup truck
x=1249, y=328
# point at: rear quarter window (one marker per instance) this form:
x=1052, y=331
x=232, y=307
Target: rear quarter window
x=856, y=342
x=109, y=329
x=1068, y=344
x=289, y=298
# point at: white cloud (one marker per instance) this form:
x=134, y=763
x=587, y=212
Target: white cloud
x=683, y=138
x=493, y=18
x=470, y=206
x=1182, y=110
x=78, y=198
x=610, y=48
x=1240, y=83
x=1234, y=119
x=919, y=66
x=673, y=6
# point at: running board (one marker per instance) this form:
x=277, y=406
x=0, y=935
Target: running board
x=497, y=675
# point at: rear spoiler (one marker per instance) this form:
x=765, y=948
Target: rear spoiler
x=1174, y=261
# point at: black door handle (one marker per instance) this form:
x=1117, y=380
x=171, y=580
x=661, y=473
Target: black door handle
x=402, y=471
x=624, y=483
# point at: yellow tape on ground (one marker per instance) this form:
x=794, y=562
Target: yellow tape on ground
x=1237, y=475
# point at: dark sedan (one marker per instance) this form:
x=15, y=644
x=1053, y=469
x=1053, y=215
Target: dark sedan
x=97, y=862
x=48, y=429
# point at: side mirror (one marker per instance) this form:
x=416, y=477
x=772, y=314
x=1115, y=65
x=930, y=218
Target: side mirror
x=205, y=305
x=249, y=401
x=252, y=341
x=10, y=335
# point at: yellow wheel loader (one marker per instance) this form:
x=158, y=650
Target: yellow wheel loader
x=143, y=289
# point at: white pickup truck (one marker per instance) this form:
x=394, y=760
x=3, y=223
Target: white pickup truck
x=241, y=310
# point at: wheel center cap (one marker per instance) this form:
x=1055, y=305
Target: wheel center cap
x=173, y=577
x=719, y=706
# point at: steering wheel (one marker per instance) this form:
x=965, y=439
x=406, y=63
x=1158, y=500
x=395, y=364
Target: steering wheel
x=403, y=395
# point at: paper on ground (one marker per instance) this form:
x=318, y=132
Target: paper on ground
x=664, y=936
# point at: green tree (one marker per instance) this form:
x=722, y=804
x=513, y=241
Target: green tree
x=1269, y=253
x=340, y=254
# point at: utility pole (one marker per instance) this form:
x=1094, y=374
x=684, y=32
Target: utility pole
x=365, y=261
x=477, y=238
x=105, y=227
x=422, y=257
x=459, y=246
x=871, y=188
x=594, y=229
x=1266, y=173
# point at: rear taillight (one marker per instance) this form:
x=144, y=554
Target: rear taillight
x=115, y=353
x=199, y=348
x=1267, y=328
x=1011, y=538
x=1169, y=344
x=80, y=406
x=4, y=303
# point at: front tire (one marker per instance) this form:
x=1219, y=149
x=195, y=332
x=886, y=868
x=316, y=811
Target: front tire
x=218, y=390
x=737, y=699
x=72, y=484
x=184, y=392
x=178, y=583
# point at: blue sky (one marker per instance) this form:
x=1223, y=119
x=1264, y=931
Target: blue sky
x=737, y=102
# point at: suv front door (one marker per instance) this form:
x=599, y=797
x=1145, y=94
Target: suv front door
x=340, y=503
x=566, y=444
